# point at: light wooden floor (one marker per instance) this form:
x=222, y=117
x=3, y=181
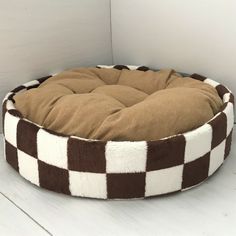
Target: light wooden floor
x=209, y=209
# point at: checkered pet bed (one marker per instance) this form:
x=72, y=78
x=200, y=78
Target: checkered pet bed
x=116, y=170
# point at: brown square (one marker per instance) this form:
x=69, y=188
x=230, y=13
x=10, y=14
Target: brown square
x=198, y=77
x=228, y=144
x=19, y=88
x=33, y=86
x=15, y=113
x=53, y=178
x=231, y=98
x=165, y=153
x=121, y=67
x=27, y=137
x=128, y=185
x=143, y=68
x=11, y=97
x=219, y=127
x=196, y=171
x=222, y=90
x=42, y=79
x=11, y=155
x=86, y=156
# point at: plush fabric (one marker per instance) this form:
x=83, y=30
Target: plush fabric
x=112, y=104
x=116, y=169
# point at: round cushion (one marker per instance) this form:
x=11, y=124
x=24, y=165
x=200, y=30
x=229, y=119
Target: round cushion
x=119, y=105
x=116, y=169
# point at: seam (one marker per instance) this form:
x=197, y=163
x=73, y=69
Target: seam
x=18, y=207
x=111, y=34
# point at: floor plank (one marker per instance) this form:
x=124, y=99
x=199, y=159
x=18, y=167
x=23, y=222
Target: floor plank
x=209, y=209
x=14, y=222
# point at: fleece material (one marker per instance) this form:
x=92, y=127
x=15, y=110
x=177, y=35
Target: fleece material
x=121, y=105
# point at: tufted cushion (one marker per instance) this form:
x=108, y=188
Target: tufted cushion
x=111, y=104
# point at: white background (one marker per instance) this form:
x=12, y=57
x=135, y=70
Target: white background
x=40, y=37
x=187, y=35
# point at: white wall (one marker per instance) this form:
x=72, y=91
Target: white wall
x=188, y=35
x=39, y=37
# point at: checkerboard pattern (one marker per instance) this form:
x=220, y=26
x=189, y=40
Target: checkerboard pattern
x=112, y=169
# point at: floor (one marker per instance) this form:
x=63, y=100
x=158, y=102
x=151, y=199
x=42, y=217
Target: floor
x=209, y=209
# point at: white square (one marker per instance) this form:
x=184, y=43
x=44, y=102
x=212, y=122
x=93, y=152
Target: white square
x=105, y=66
x=88, y=184
x=226, y=97
x=229, y=111
x=52, y=149
x=211, y=82
x=10, y=128
x=31, y=83
x=28, y=167
x=164, y=181
x=198, y=142
x=216, y=158
x=10, y=105
x=132, y=67
x=126, y=157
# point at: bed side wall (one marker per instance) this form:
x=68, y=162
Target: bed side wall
x=38, y=38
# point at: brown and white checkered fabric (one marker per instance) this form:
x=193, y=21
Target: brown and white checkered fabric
x=112, y=169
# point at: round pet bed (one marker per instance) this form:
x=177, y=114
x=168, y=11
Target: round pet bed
x=100, y=168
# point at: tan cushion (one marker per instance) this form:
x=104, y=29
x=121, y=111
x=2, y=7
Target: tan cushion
x=111, y=104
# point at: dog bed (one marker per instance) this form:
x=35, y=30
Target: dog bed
x=120, y=132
